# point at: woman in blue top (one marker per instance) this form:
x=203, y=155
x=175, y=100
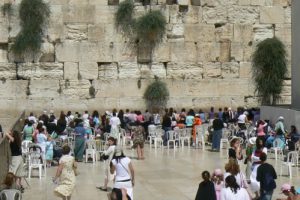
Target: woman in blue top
x=189, y=120
x=80, y=135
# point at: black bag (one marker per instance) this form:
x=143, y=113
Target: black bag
x=104, y=157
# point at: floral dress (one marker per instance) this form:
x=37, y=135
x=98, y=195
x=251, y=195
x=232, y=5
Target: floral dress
x=67, y=177
x=138, y=138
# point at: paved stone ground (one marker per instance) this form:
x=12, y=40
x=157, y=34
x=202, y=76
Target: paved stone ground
x=163, y=175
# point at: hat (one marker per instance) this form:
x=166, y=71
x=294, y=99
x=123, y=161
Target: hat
x=218, y=172
x=197, y=115
x=118, y=151
x=280, y=118
x=285, y=187
x=252, y=140
x=107, y=112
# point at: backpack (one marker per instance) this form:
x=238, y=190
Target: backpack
x=269, y=183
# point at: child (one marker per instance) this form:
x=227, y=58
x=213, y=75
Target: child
x=248, y=161
x=290, y=192
x=49, y=151
x=206, y=188
x=217, y=179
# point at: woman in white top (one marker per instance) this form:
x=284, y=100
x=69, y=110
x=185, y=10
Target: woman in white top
x=109, y=153
x=124, y=172
x=233, y=191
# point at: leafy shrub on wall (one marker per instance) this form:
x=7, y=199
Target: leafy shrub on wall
x=34, y=16
x=269, y=66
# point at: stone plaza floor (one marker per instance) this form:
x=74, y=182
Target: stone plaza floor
x=163, y=175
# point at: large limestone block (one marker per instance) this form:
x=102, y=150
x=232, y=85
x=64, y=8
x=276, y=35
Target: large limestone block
x=283, y=3
x=71, y=71
x=287, y=15
x=98, y=2
x=76, y=32
x=202, y=88
x=14, y=22
x=258, y=2
x=46, y=53
x=97, y=52
x=247, y=52
x=212, y=70
x=132, y=103
x=175, y=31
x=202, y=32
x=40, y=71
x=177, y=88
x=44, y=88
x=262, y=32
x=13, y=89
x=284, y=32
x=88, y=70
x=193, y=16
x=55, y=28
x=108, y=88
x=243, y=33
x=230, y=70
x=75, y=89
x=245, y=70
x=7, y=71
x=225, y=53
x=96, y=32
x=271, y=15
x=68, y=51
x=78, y=2
x=184, y=52
x=183, y=2
x=3, y=31
x=244, y=2
x=213, y=15
x=124, y=53
x=185, y=71
x=162, y=53
x=210, y=3
x=79, y=13
x=3, y=55
x=243, y=14
x=105, y=14
x=58, y=2
x=108, y=71
x=236, y=51
x=152, y=69
x=208, y=51
x=235, y=87
x=128, y=70
x=174, y=15
x=224, y=32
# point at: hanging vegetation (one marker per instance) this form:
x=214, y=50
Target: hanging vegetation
x=269, y=65
x=6, y=9
x=156, y=95
x=34, y=15
x=124, y=17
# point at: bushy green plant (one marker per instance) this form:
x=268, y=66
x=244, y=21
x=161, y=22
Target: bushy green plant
x=269, y=65
x=156, y=95
x=34, y=16
x=6, y=9
x=124, y=20
x=151, y=27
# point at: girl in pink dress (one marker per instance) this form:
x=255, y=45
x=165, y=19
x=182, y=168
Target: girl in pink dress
x=218, y=180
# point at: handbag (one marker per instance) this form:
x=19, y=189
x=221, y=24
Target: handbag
x=104, y=157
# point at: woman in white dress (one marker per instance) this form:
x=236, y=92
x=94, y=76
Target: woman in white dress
x=233, y=191
x=109, y=153
x=66, y=172
x=124, y=172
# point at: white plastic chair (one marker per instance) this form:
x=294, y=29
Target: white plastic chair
x=224, y=139
x=292, y=161
x=277, y=148
x=200, y=136
x=152, y=134
x=11, y=194
x=25, y=146
x=91, y=151
x=183, y=136
x=126, y=137
x=158, y=138
x=173, y=137
x=35, y=162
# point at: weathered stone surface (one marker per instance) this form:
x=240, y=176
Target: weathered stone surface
x=174, y=15
x=212, y=70
x=162, y=53
x=287, y=15
x=245, y=70
x=108, y=71
x=71, y=71
x=283, y=3
x=105, y=14
x=244, y=2
x=243, y=14
x=149, y=71
x=212, y=15
x=55, y=29
x=76, y=32
x=3, y=55
x=175, y=31
x=230, y=70
x=284, y=33
x=3, y=31
x=183, y=52
x=262, y=32
x=193, y=16
x=271, y=15
x=40, y=71
x=242, y=33
x=79, y=14
x=98, y=2
x=7, y=71
x=235, y=51
x=13, y=23
x=258, y=2
x=208, y=51
x=202, y=33
x=13, y=89
x=88, y=70
x=185, y=71
x=68, y=51
x=44, y=88
x=224, y=32
x=128, y=70
x=183, y=2
x=225, y=46
x=96, y=32
x=47, y=53
x=75, y=89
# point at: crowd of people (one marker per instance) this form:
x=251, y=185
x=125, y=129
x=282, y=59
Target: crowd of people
x=259, y=178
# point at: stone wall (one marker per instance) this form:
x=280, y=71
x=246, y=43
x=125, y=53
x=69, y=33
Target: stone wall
x=84, y=63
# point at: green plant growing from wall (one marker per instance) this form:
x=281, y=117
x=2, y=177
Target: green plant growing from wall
x=34, y=15
x=269, y=66
x=156, y=95
x=124, y=20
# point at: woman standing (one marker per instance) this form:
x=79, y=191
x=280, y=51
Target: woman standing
x=66, y=173
x=217, y=134
x=233, y=191
x=235, y=150
x=28, y=131
x=16, y=165
x=109, y=153
x=124, y=171
x=138, y=140
x=233, y=168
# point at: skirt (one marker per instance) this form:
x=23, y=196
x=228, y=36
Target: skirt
x=16, y=166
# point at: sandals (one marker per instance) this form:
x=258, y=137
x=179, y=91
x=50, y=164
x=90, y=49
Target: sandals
x=102, y=189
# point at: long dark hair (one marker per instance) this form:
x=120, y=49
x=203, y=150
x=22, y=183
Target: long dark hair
x=206, y=176
x=232, y=184
x=17, y=138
